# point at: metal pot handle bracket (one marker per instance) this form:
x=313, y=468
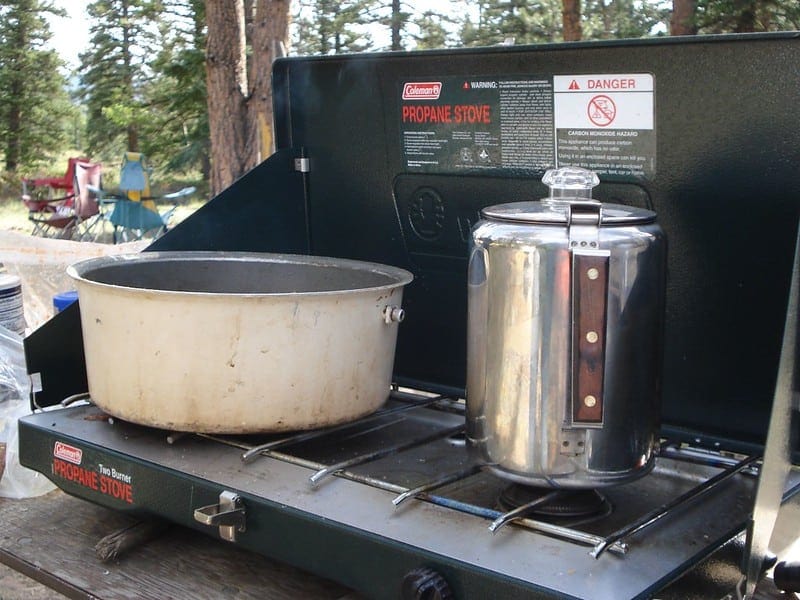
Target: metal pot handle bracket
x=589, y=295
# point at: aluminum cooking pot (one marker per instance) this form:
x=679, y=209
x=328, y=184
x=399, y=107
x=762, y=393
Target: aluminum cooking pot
x=235, y=342
x=566, y=305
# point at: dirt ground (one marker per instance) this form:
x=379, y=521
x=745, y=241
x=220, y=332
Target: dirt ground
x=16, y=586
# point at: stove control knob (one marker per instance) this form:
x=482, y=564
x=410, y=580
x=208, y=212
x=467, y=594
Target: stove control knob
x=787, y=576
x=425, y=584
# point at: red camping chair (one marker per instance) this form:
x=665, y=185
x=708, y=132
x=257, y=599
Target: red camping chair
x=76, y=215
x=46, y=197
x=87, y=210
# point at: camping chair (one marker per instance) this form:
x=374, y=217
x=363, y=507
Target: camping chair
x=87, y=208
x=135, y=214
x=49, y=201
x=74, y=216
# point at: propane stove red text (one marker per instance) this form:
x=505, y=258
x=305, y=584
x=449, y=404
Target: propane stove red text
x=106, y=480
x=447, y=113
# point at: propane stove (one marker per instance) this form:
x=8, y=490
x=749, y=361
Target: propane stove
x=392, y=503
x=390, y=158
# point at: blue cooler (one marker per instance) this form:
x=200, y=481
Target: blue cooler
x=64, y=299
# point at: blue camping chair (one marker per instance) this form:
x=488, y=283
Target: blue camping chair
x=134, y=213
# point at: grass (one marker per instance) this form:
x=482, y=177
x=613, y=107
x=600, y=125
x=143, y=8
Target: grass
x=14, y=214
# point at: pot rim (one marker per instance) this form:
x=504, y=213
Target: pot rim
x=78, y=271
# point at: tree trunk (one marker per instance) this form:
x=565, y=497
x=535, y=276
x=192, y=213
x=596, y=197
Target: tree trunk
x=13, y=130
x=226, y=81
x=747, y=19
x=240, y=119
x=396, y=25
x=682, y=21
x=127, y=62
x=270, y=37
x=571, y=20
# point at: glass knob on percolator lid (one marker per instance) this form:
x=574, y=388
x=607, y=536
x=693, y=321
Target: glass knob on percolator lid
x=570, y=182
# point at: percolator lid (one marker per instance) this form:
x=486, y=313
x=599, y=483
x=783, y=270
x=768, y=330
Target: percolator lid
x=568, y=185
x=556, y=212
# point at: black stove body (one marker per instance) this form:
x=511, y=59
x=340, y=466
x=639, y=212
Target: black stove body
x=389, y=158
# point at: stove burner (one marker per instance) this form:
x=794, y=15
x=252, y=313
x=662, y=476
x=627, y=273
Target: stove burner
x=568, y=504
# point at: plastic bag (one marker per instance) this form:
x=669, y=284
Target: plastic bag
x=41, y=264
x=16, y=481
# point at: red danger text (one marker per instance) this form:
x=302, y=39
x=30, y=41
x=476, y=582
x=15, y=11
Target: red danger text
x=611, y=84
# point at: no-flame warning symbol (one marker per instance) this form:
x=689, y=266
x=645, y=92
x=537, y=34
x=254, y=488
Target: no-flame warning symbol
x=602, y=110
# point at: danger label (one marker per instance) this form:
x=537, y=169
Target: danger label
x=606, y=122
x=607, y=101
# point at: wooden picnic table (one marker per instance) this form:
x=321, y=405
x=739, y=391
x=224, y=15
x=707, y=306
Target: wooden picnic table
x=51, y=539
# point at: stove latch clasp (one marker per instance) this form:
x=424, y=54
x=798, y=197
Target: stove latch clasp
x=228, y=515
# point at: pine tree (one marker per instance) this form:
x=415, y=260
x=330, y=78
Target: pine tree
x=607, y=19
x=536, y=21
x=114, y=72
x=333, y=27
x=746, y=16
x=520, y=21
x=176, y=134
x=435, y=30
x=34, y=105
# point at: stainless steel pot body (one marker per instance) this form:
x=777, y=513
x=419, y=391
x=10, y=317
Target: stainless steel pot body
x=235, y=342
x=564, y=347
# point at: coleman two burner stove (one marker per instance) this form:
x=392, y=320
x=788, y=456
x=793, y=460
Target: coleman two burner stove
x=372, y=164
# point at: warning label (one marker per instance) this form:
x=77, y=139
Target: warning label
x=527, y=124
x=479, y=124
x=606, y=123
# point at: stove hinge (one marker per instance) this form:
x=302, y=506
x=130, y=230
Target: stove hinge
x=302, y=164
x=228, y=515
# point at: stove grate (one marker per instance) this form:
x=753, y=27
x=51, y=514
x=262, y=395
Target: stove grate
x=403, y=404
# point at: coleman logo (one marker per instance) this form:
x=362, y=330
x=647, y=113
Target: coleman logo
x=426, y=90
x=68, y=453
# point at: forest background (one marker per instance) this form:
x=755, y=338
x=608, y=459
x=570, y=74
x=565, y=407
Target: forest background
x=187, y=81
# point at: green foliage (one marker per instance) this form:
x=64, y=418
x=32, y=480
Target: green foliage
x=606, y=19
x=114, y=72
x=539, y=21
x=35, y=110
x=436, y=30
x=333, y=27
x=176, y=137
x=743, y=16
x=143, y=82
x=520, y=21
